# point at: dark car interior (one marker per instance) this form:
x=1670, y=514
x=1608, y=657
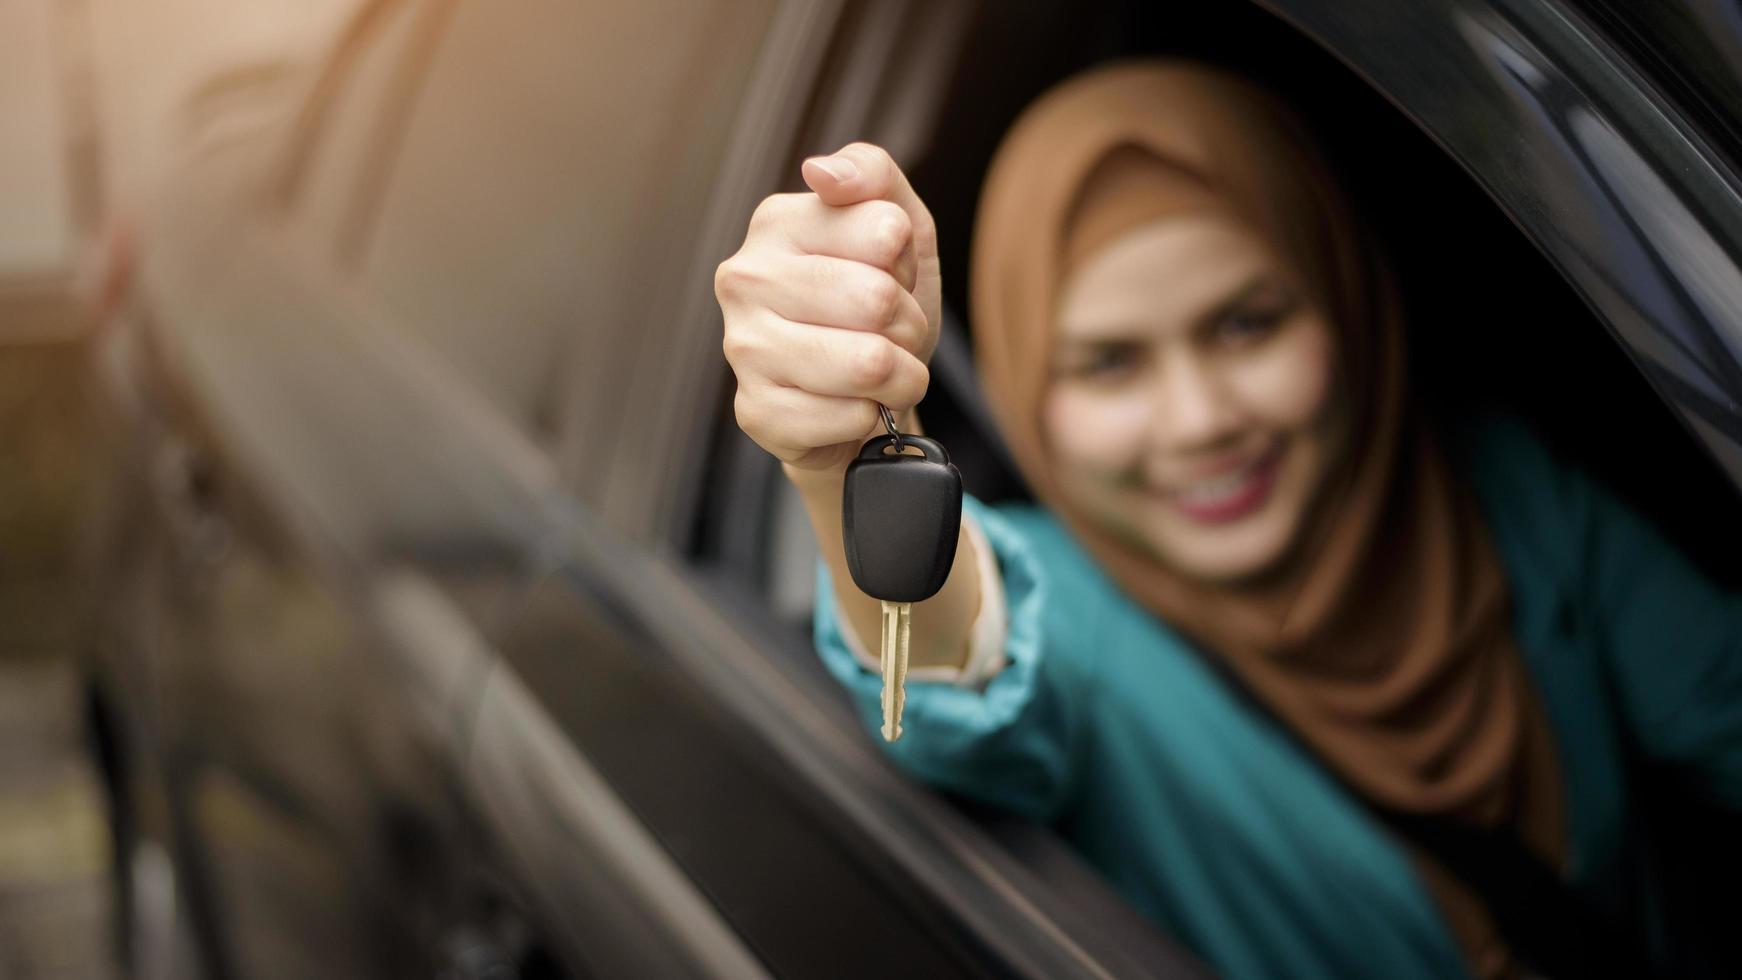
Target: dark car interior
x=1491, y=319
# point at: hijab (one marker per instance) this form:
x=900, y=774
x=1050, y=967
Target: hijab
x=1384, y=640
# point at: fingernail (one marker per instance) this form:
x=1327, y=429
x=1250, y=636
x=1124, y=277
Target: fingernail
x=840, y=168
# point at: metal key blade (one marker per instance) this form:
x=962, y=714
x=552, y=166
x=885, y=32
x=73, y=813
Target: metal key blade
x=903, y=634
x=892, y=658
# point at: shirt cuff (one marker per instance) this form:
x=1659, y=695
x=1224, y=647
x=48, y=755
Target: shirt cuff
x=986, y=636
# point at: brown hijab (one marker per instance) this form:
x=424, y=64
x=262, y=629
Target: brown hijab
x=1384, y=642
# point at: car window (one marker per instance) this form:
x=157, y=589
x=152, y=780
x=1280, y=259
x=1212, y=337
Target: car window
x=552, y=173
x=1691, y=51
x=340, y=128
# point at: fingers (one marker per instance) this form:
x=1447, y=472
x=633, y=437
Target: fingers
x=831, y=292
x=877, y=233
x=825, y=361
x=831, y=306
x=861, y=172
x=795, y=425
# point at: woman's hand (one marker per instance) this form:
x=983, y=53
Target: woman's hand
x=831, y=306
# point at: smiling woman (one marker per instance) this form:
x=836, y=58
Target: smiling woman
x=1195, y=413
x=1223, y=480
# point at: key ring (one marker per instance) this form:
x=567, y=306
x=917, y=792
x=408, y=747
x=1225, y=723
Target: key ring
x=889, y=423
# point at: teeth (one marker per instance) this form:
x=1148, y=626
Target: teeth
x=1216, y=490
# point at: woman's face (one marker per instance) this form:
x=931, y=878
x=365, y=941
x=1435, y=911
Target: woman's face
x=1191, y=406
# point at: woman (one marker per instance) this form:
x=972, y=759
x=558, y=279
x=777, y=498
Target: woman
x=1261, y=606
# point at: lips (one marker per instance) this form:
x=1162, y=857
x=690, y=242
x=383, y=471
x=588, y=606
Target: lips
x=1228, y=496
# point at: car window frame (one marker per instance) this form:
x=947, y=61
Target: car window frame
x=773, y=115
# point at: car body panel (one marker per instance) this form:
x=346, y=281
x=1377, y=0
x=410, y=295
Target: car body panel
x=1619, y=189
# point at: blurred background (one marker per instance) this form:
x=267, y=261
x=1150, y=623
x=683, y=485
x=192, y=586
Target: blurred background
x=90, y=92
x=386, y=588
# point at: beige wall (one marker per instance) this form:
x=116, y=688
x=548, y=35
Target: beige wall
x=150, y=52
x=144, y=55
x=35, y=213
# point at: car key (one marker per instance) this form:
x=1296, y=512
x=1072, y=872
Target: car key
x=901, y=515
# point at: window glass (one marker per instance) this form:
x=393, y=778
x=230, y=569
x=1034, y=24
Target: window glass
x=1692, y=52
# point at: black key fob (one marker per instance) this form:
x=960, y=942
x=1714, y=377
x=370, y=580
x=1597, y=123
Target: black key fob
x=900, y=516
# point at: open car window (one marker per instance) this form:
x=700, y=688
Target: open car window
x=1508, y=322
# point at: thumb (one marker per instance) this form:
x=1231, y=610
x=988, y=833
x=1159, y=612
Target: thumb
x=863, y=172
x=833, y=179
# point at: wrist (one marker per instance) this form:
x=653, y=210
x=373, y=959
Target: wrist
x=807, y=479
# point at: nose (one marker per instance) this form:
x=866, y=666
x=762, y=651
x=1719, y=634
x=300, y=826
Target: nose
x=1193, y=407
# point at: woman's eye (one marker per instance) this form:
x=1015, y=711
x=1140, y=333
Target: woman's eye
x=1244, y=326
x=1107, y=362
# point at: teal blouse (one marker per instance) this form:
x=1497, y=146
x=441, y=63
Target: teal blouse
x=1213, y=822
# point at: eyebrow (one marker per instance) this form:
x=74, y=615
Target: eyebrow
x=1258, y=282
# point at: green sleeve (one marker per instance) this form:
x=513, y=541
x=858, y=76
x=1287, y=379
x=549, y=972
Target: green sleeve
x=1010, y=745
x=1672, y=641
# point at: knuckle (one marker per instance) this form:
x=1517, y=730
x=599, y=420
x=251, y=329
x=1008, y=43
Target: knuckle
x=738, y=345
x=743, y=280
x=882, y=300
x=746, y=410
x=767, y=214
x=873, y=364
x=891, y=230
x=729, y=280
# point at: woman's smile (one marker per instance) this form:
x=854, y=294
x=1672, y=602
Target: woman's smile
x=1225, y=493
